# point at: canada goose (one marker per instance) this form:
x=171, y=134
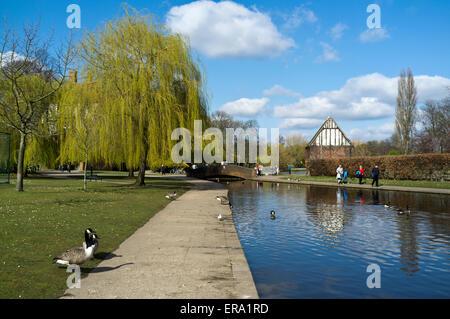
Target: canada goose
x=407, y=211
x=78, y=255
x=223, y=200
x=170, y=196
x=220, y=218
x=88, y=233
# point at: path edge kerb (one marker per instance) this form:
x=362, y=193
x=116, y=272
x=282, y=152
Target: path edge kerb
x=356, y=186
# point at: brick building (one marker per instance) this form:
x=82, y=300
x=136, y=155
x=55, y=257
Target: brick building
x=329, y=142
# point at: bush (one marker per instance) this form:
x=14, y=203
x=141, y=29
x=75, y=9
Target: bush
x=410, y=167
x=394, y=153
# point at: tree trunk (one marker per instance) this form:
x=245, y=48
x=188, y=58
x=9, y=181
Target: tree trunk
x=85, y=173
x=19, y=183
x=140, y=181
x=131, y=172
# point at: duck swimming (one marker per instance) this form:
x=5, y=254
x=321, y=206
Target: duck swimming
x=272, y=214
x=387, y=205
x=407, y=211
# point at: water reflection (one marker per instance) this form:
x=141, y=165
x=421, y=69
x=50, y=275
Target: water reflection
x=324, y=238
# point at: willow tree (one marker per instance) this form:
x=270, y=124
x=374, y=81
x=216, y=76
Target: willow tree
x=79, y=120
x=151, y=85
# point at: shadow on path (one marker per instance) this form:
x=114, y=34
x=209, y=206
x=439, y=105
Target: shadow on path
x=102, y=269
x=106, y=256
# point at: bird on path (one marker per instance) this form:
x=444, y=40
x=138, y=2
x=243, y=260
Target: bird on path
x=223, y=200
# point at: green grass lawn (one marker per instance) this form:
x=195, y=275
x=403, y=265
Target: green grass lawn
x=51, y=216
x=385, y=182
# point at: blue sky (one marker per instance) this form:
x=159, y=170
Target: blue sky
x=290, y=64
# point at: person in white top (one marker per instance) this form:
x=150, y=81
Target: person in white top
x=340, y=172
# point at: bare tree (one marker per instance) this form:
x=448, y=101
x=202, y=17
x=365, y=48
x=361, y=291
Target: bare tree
x=29, y=79
x=405, y=112
x=436, y=122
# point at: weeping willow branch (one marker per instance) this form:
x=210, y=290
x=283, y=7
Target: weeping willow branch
x=150, y=85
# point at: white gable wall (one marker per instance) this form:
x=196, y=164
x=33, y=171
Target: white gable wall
x=330, y=135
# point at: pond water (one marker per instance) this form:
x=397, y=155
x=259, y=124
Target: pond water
x=324, y=238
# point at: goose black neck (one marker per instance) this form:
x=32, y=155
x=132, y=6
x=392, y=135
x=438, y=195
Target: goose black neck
x=88, y=239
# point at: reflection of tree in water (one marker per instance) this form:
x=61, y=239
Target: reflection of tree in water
x=326, y=209
x=407, y=230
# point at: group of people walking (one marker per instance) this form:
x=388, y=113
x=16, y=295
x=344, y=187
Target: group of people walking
x=342, y=175
x=273, y=170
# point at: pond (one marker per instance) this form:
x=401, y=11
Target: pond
x=324, y=238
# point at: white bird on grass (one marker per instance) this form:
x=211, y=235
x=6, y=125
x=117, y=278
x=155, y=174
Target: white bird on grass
x=170, y=196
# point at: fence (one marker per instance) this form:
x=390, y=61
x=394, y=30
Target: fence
x=5, y=154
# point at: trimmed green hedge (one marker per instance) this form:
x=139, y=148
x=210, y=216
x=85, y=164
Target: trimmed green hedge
x=410, y=167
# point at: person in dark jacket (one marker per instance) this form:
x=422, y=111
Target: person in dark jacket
x=375, y=175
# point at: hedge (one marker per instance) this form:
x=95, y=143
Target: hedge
x=410, y=167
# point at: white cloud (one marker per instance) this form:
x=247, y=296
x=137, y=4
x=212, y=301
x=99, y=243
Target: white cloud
x=337, y=31
x=373, y=132
x=11, y=56
x=246, y=107
x=368, y=97
x=300, y=123
x=329, y=54
x=278, y=90
x=374, y=35
x=299, y=16
x=228, y=29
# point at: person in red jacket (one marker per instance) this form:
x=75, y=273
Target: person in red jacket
x=360, y=174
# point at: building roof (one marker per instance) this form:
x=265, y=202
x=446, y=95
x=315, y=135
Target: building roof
x=330, y=134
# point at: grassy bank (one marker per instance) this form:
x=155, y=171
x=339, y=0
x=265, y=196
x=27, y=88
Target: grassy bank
x=385, y=182
x=50, y=217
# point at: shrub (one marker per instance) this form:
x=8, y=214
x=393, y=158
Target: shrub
x=410, y=167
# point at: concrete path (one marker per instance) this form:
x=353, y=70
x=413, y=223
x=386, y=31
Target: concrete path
x=182, y=252
x=278, y=179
